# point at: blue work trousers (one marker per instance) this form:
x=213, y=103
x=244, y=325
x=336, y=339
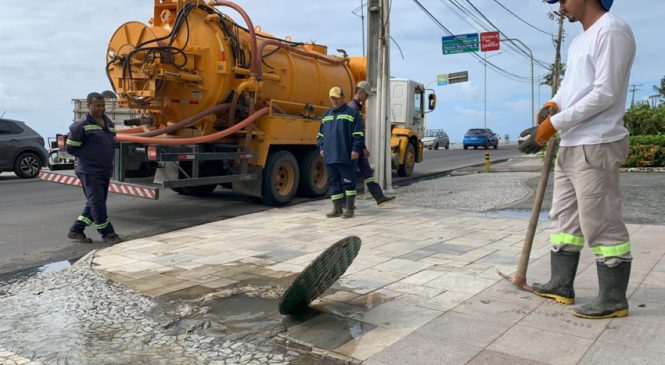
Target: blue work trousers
x=96, y=188
x=341, y=180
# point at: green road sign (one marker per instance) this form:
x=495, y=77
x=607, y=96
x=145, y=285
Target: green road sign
x=460, y=43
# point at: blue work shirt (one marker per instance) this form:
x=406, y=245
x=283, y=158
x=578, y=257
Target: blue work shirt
x=93, y=145
x=341, y=132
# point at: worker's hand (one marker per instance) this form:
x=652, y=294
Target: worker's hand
x=321, y=153
x=354, y=155
x=538, y=137
x=366, y=152
x=549, y=109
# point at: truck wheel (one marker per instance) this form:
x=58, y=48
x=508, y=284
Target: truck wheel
x=280, y=178
x=313, y=175
x=466, y=147
x=27, y=165
x=406, y=168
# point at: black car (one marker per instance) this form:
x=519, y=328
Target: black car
x=21, y=149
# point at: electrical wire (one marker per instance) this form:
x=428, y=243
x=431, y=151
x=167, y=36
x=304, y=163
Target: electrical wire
x=523, y=21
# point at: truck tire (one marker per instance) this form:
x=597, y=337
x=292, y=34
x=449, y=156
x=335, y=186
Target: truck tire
x=27, y=165
x=313, y=175
x=279, y=182
x=406, y=168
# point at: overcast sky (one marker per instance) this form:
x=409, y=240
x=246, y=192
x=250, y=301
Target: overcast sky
x=53, y=51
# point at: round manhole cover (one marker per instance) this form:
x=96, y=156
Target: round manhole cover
x=319, y=275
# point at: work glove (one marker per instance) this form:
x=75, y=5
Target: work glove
x=549, y=109
x=538, y=137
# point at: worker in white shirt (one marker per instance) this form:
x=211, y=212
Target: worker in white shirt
x=588, y=112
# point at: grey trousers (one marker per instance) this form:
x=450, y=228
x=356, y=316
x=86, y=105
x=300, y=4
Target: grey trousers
x=586, y=205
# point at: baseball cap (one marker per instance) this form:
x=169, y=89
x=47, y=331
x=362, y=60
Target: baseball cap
x=364, y=86
x=336, y=92
x=606, y=4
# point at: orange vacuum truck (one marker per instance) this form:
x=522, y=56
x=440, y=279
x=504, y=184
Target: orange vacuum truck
x=219, y=103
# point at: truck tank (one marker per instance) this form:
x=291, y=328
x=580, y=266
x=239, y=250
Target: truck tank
x=193, y=72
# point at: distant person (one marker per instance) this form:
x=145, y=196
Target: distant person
x=507, y=138
x=357, y=102
x=92, y=141
x=586, y=205
x=340, y=141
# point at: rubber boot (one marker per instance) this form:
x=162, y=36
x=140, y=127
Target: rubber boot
x=112, y=238
x=337, y=209
x=350, y=206
x=377, y=193
x=560, y=287
x=611, y=300
x=79, y=236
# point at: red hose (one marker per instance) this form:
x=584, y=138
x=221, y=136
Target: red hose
x=185, y=122
x=194, y=140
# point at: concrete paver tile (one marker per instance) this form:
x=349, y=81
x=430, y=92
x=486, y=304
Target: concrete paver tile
x=638, y=334
x=541, y=345
x=375, y=298
x=489, y=357
x=397, y=315
x=422, y=277
x=499, y=309
x=462, y=329
x=216, y=283
x=372, y=342
x=327, y=331
x=401, y=266
x=460, y=283
x=361, y=284
x=555, y=317
x=422, y=291
x=602, y=353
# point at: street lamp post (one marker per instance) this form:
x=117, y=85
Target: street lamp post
x=533, y=113
x=485, y=82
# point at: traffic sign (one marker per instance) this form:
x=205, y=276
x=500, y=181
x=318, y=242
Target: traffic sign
x=456, y=77
x=489, y=41
x=460, y=43
x=442, y=79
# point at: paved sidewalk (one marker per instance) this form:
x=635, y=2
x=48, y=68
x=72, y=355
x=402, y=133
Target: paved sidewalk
x=423, y=289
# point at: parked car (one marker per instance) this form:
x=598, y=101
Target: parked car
x=480, y=137
x=521, y=139
x=21, y=149
x=436, y=138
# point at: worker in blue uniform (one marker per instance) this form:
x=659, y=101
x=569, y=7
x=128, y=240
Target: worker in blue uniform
x=340, y=141
x=357, y=102
x=92, y=141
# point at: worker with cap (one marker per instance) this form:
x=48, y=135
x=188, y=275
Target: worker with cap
x=357, y=102
x=340, y=141
x=588, y=111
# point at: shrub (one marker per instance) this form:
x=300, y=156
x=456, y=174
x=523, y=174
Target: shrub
x=646, y=151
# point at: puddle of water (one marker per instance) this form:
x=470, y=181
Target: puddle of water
x=14, y=277
x=518, y=213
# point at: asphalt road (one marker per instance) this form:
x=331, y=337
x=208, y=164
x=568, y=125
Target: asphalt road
x=35, y=215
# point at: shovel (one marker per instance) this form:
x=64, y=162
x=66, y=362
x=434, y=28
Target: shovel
x=519, y=279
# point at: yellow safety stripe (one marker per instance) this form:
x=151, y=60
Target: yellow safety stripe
x=369, y=180
x=85, y=220
x=112, y=129
x=74, y=143
x=103, y=225
x=358, y=134
x=91, y=127
x=615, y=250
x=350, y=192
x=337, y=196
x=346, y=116
x=327, y=118
x=566, y=239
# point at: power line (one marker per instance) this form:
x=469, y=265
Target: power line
x=523, y=21
x=496, y=68
x=541, y=63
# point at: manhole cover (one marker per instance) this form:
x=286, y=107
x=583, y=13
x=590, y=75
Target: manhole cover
x=319, y=275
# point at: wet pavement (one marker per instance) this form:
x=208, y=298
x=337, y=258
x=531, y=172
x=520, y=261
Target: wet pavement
x=423, y=289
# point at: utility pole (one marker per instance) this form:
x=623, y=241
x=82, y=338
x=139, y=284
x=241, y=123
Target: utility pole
x=378, y=103
x=557, y=59
x=633, y=88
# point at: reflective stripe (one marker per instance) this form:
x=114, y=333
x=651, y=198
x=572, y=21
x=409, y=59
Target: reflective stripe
x=358, y=134
x=112, y=129
x=91, y=127
x=103, y=225
x=74, y=143
x=566, y=239
x=350, y=192
x=337, y=196
x=327, y=118
x=319, y=135
x=609, y=251
x=85, y=220
x=346, y=116
x=369, y=180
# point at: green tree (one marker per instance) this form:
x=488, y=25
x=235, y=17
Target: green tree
x=661, y=89
x=547, y=80
x=642, y=119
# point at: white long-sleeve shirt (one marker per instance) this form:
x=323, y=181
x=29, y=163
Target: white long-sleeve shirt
x=592, y=96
